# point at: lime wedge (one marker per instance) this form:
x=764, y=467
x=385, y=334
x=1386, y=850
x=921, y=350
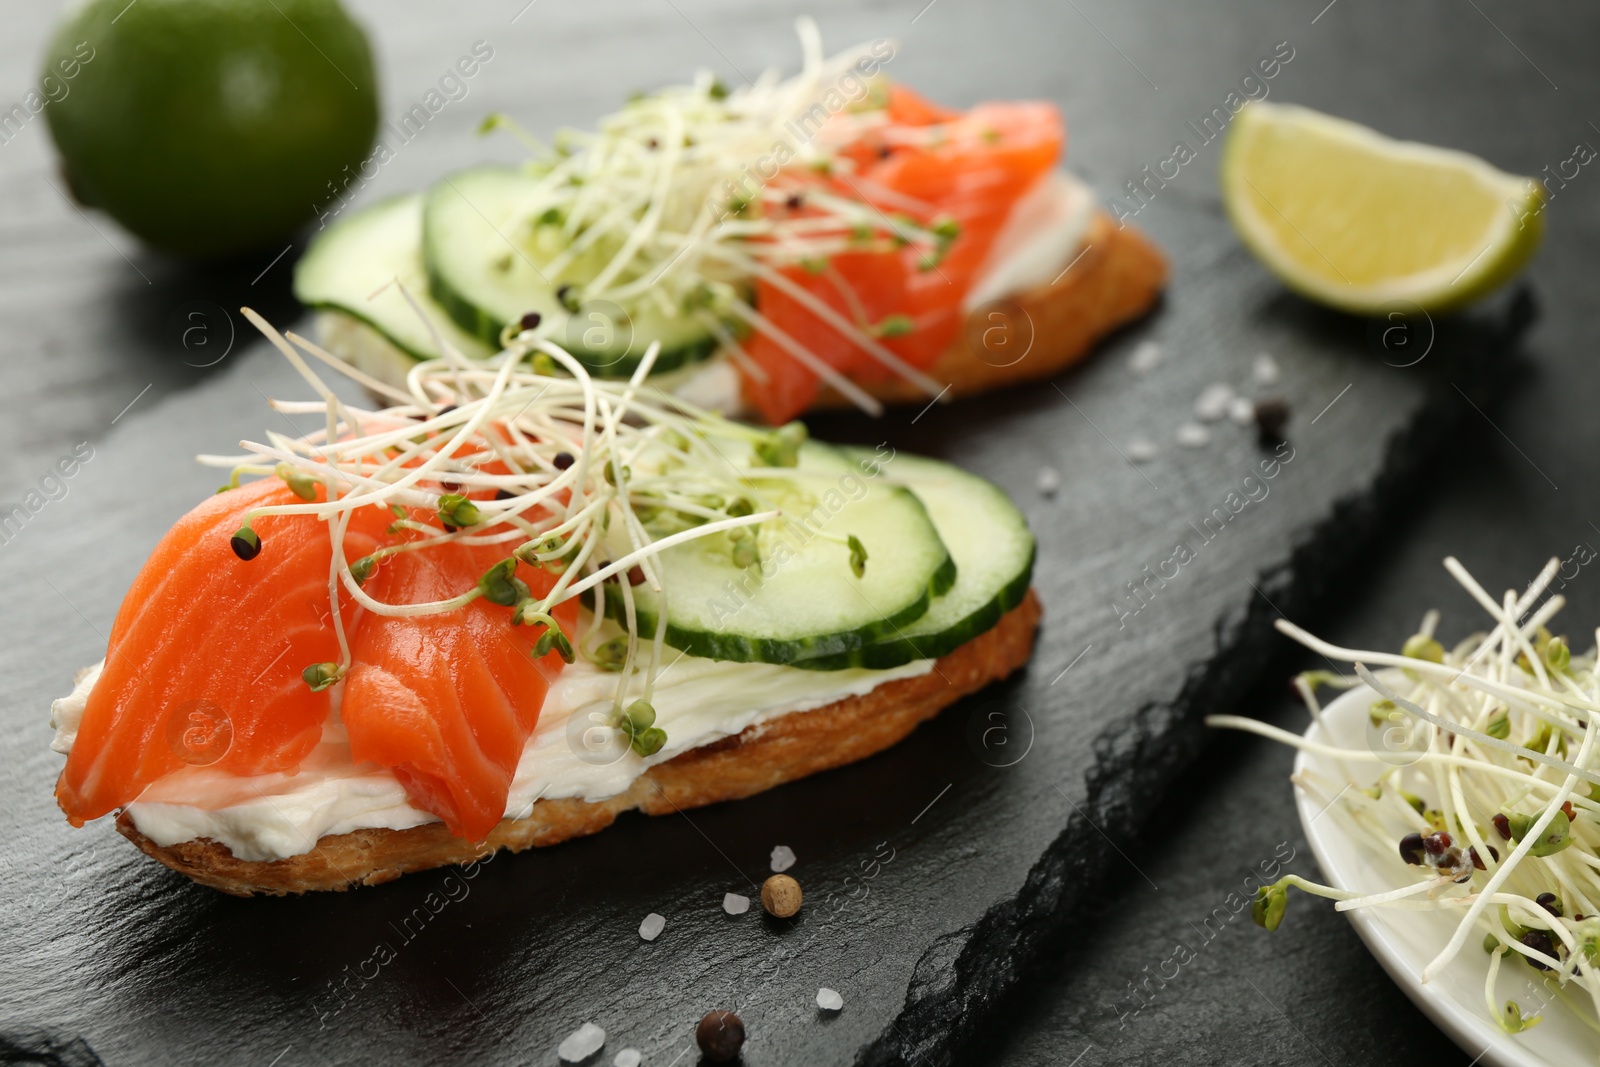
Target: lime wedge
x=1350, y=218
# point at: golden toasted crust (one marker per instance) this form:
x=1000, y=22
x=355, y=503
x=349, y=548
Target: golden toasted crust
x=1040, y=332
x=781, y=750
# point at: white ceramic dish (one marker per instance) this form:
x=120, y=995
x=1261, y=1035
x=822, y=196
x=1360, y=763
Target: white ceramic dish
x=1405, y=941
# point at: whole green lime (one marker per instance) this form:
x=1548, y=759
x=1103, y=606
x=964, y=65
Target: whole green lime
x=209, y=127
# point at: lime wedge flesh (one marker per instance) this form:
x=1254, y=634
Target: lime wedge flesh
x=1353, y=219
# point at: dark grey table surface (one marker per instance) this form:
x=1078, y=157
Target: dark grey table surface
x=1515, y=84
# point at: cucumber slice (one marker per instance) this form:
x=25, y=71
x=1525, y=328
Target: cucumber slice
x=486, y=252
x=801, y=601
x=993, y=551
x=348, y=269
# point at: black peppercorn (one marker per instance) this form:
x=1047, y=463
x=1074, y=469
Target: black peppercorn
x=720, y=1035
x=1272, y=418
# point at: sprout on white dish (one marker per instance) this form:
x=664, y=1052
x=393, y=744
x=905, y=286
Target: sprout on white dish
x=1487, y=780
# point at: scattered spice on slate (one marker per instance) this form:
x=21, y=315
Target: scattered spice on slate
x=781, y=896
x=1272, y=418
x=720, y=1035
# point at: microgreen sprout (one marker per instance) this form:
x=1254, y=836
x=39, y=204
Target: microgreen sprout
x=1511, y=851
x=500, y=584
x=552, y=636
x=457, y=512
x=611, y=655
x=246, y=543
x=638, y=717
x=363, y=568
x=637, y=720
x=543, y=552
x=894, y=326
x=233, y=477
x=781, y=447
x=1513, y=1021
x=1314, y=680
x=649, y=742
x=858, y=556
x=746, y=551
x=320, y=676
x=1269, y=905
x=302, y=484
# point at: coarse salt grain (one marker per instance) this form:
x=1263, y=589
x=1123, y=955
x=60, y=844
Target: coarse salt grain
x=1142, y=450
x=829, y=999
x=1213, y=401
x=652, y=926
x=735, y=903
x=1049, y=481
x=1146, y=357
x=1242, y=410
x=1266, y=369
x=628, y=1057
x=582, y=1043
x=782, y=858
x=1193, y=435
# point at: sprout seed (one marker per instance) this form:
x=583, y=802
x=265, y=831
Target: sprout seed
x=246, y=543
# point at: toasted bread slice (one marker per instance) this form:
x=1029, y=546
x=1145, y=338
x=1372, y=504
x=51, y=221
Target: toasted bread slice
x=1035, y=334
x=765, y=755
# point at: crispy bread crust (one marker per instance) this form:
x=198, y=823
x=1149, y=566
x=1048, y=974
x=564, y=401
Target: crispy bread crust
x=765, y=755
x=1039, y=332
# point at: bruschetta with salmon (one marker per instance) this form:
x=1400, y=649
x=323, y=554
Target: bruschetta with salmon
x=513, y=601
x=825, y=240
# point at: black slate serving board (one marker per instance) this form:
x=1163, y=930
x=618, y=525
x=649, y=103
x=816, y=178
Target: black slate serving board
x=930, y=870
x=105, y=957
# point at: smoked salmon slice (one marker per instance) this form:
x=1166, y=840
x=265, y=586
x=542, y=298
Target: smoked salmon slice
x=203, y=666
x=970, y=167
x=448, y=701
x=205, y=659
